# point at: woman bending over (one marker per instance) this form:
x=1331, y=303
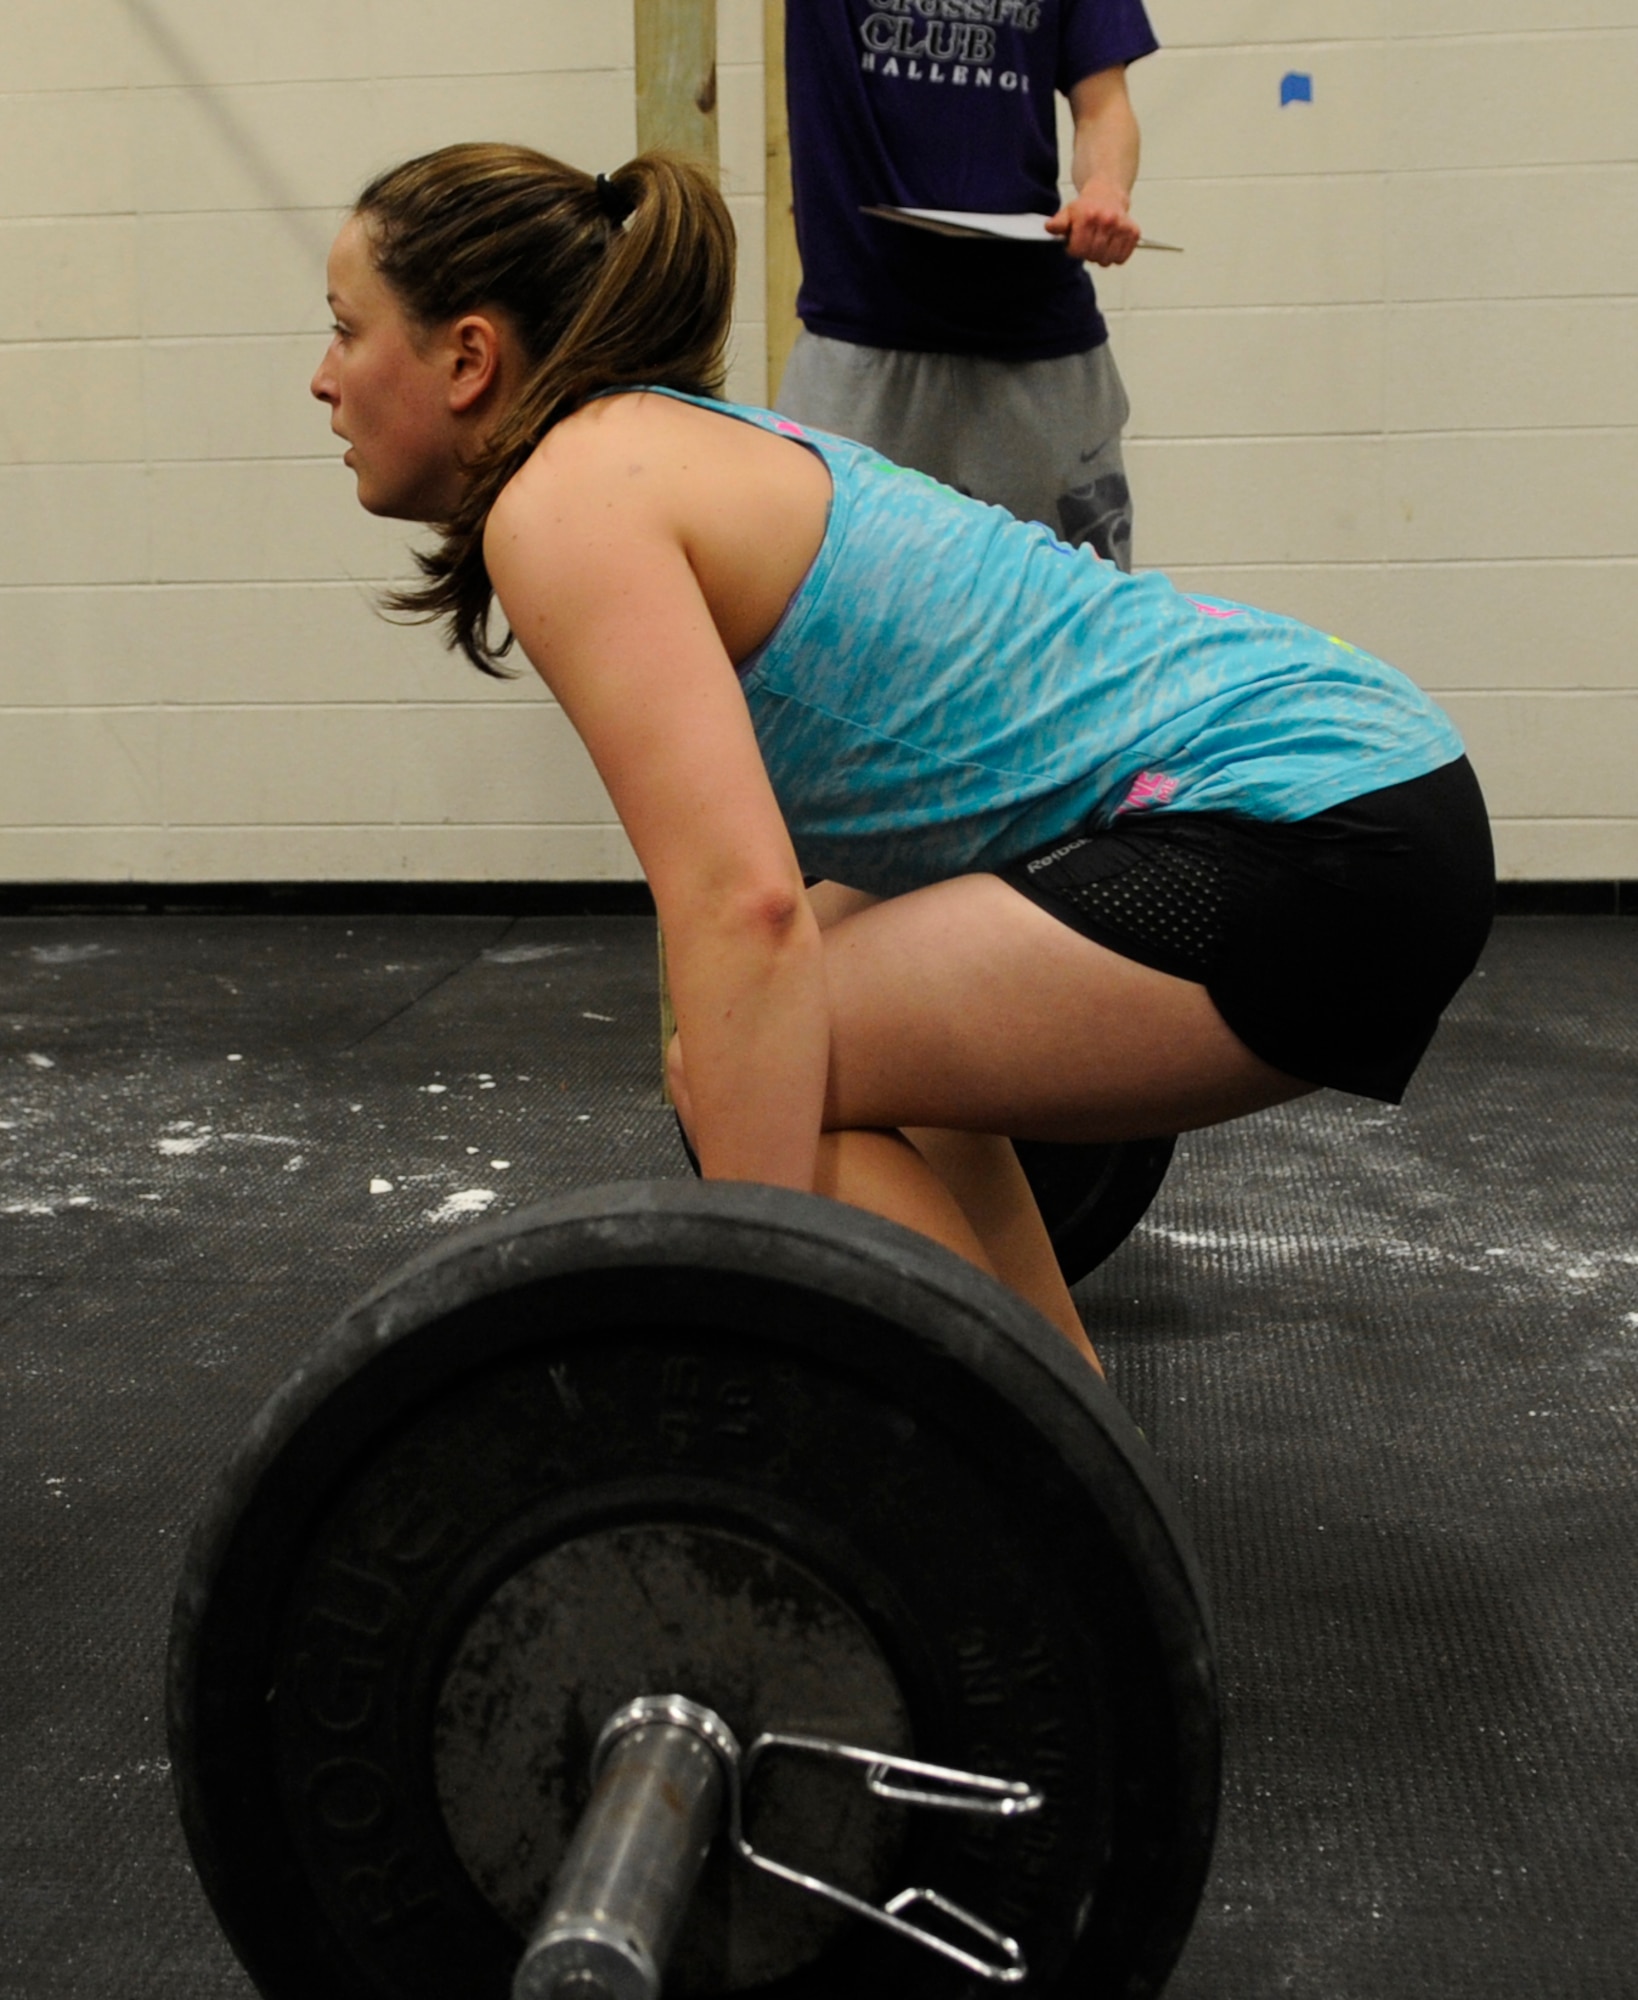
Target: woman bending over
x=1101, y=859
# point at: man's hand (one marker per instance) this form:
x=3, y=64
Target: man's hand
x=1097, y=226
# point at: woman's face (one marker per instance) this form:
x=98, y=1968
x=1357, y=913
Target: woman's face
x=388, y=386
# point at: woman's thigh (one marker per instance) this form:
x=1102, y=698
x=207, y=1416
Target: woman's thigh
x=966, y=1005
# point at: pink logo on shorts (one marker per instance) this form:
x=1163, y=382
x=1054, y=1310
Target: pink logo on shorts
x=1219, y=610
x=1149, y=788
x=786, y=428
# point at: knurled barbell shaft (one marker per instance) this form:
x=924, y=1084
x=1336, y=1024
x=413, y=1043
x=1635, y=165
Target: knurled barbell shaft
x=621, y=1893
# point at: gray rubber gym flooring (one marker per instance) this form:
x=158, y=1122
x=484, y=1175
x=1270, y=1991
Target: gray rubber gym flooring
x=1389, y=1358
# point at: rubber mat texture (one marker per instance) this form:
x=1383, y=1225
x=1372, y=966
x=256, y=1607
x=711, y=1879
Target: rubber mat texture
x=1390, y=1359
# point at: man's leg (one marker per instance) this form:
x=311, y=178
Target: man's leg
x=1043, y=439
x=1097, y=509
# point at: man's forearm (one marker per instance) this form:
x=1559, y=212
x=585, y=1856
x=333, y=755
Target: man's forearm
x=1097, y=226
x=1107, y=141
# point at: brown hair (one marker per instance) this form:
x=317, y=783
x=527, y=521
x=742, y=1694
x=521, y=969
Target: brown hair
x=598, y=302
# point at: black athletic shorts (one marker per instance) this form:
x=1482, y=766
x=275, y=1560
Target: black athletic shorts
x=1330, y=945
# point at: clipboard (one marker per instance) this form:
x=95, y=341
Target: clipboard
x=984, y=226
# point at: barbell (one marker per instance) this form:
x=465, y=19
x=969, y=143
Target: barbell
x=697, y=1584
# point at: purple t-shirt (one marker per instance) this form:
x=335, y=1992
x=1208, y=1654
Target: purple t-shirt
x=941, y=104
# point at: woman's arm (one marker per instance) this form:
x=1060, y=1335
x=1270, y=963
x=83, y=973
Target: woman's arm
x=587, y=552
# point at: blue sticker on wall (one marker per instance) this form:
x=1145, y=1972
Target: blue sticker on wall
x=1296, y=87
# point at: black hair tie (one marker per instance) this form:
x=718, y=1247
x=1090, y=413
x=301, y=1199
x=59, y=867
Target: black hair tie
x=616, y=206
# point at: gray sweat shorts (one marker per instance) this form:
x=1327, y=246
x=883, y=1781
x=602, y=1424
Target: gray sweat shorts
x=1040, y=438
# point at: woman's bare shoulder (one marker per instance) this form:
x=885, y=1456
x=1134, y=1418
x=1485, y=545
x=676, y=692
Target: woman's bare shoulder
x=626, y=447
x=602, y=457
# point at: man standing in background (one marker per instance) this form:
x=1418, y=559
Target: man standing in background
x=985, y=364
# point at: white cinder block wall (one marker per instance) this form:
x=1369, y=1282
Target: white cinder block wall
x=193, y=683
x=1390, y=387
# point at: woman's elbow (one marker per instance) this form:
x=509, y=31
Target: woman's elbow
x=774, y=915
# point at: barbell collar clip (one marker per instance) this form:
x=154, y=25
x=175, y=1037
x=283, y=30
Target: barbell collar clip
x=958, y=1791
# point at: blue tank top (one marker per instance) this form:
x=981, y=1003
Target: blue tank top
x=950, y=687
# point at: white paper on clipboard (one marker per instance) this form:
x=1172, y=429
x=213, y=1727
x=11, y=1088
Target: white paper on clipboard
x=983, y=224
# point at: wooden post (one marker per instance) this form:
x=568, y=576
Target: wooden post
x=676, y=109
x=784, y=266
x=677, y=77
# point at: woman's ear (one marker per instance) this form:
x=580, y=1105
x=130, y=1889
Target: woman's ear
x=476, y=350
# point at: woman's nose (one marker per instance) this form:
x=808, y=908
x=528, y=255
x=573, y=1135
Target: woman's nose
x=322, y=385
